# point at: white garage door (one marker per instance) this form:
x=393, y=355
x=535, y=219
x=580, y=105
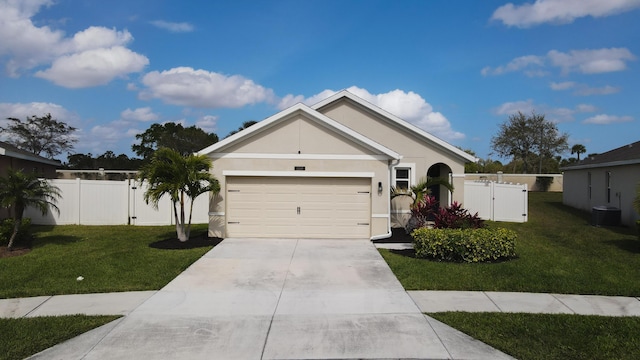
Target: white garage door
x=298, y=207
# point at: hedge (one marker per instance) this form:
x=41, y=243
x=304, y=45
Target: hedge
x=465, y=245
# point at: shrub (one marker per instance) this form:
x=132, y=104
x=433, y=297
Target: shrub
x=544, y=182
x=452, y=217
x=465, y=245
x=455, y=217
x=23, y=238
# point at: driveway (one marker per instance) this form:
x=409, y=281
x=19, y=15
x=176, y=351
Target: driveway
x=278, y=299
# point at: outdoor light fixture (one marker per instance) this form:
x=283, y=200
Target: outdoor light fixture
x=379, y=187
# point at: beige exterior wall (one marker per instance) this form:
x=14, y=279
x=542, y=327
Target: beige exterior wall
x=323, y=153
x=415, y=151
x=624, y=180
x=529, y=179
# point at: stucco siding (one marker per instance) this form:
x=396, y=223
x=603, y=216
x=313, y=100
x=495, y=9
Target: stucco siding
x=623, y=182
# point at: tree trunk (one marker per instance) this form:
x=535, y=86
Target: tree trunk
x=16, y=228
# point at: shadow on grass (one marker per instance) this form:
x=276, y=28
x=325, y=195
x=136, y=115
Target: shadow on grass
x=197, y=240
x=629, y=245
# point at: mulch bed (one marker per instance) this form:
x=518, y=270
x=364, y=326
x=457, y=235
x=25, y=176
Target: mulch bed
x=398, y=235
x=17, y=251
x=195, y=241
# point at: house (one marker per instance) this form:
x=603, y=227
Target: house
x=13, y=158
x=608, y=179
x=325, y=171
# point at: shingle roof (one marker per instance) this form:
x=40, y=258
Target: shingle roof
x=7, y=149
x=624, y=155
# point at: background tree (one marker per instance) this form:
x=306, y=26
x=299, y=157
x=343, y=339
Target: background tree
x=44, y=136
x=178, y=176
x=484, y=166
x=578, y=149
x=173, y=136
x=529, y=139
x=245, y=125
x=19, y=190
x=108, y=160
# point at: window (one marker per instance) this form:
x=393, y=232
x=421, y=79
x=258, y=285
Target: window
x=403, y=178
x=608, y=186
x=589, y=184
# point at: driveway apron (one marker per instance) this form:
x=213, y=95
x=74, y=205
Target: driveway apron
x=279, y=299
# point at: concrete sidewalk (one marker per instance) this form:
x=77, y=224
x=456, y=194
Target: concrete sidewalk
x=123, y=303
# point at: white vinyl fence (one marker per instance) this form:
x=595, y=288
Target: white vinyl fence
x=103, y=202
x=497, y=201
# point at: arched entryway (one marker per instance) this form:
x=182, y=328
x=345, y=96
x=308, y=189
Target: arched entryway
x=441, y=193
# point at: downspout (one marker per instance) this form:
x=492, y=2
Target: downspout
x=392, y=163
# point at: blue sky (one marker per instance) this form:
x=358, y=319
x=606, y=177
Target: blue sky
x=456, y=69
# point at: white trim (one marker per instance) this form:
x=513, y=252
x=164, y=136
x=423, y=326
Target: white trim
x=334, y=174
x=398, y=121
x=297, y=156
x=412, y=173
x=401, y=211
x=602, y=165
x=312, y=114
x=458, y=175
x=380, y=215
x=217, y=213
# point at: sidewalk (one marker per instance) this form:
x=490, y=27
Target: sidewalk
x=123, y=303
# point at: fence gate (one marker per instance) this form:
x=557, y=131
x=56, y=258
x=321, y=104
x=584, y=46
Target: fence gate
x=497, y=201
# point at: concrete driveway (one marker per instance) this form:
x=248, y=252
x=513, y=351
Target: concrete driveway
x=278, y=299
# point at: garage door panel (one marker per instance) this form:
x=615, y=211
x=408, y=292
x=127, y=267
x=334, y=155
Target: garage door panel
x=328, y=207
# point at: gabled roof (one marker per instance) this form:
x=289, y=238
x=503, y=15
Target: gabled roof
x=397, y=121
x=624, y=155
x=311, y=114
x=12, y=151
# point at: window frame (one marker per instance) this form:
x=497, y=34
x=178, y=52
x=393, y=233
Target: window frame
x=411, y=167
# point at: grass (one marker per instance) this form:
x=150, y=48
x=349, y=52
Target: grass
x=110, y=258
x=558, y=252
x=544, y=336
x=27, y=336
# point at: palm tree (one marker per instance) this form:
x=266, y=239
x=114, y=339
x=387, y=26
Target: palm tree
x=422, y=188
x=170, y=173
x=578, y=149
x=19, y=191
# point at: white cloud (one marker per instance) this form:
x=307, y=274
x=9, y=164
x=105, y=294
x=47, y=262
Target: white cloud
x=584, y=89
x=139, y=114
x=555, y=114
x=519, y=63
x=22, y=110
x=604, y=119
x=563, y=85
x=200, y=88
x=408, y=106
x=174, y=27
x=26, y=46
x=208, y=123
x=559, y=11
x=587, y=61
x=591, y=61
x=93, y=67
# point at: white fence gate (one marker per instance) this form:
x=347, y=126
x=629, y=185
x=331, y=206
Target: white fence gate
x=497, y=201
x=103, y=202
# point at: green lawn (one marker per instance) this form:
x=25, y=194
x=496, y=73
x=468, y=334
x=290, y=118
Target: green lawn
x=558, y=252
x=27, y=336
x=110, y=258
x=551, y=337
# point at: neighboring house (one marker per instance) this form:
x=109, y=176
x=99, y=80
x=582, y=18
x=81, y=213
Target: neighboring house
x=607, y=179
x=14, y=158
x=325, y=172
